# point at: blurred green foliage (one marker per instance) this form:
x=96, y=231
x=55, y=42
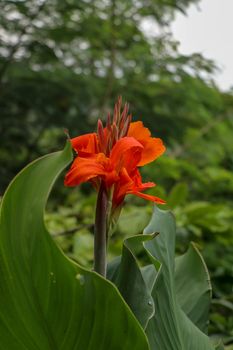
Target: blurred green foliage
x=62, y=65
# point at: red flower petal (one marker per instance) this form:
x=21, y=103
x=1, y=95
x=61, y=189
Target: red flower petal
x=152, y=147
x=82, y=170
x=132, y=185
x=85, y=145
x=85, y=169
x=123, y=185
x=126, y=153
x=149, y=197
x=138, y=187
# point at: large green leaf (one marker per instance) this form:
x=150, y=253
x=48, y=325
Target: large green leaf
x=126, y=275
x=180, y=288
x=46, y=301
x=171, y=328
x=193, y=288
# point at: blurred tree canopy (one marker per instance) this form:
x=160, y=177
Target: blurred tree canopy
x=63, y=64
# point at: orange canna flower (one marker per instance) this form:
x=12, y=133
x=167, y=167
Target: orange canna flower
x=113, y=155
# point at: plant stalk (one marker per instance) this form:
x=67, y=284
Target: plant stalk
x=101, y=232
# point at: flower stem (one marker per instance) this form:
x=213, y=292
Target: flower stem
x=100, y=239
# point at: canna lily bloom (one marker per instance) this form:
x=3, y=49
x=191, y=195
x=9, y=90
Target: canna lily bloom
x=113, y=155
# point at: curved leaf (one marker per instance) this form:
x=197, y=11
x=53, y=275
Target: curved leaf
x=46, y=301
x=193, y=288
x=125, y=273
x=170, y=328
x=180, y=287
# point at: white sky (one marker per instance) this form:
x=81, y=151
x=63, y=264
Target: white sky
x=209, y=30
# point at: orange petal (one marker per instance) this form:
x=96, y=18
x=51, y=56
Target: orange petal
x=126, y=153
x=129, y=185
x=138, y=131
x=146, y=185
x=82, y=170
x=123, y=185
x=149, y=197
x=152, y=147
x=85, y=169
x=85, y=145
x=138, y=187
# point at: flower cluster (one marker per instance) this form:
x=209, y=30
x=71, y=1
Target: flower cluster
x=113, y=156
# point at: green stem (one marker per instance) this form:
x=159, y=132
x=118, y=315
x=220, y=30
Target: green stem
x=101, y=232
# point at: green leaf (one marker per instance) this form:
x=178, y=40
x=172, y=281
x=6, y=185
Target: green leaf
x=126, y=275
x=180, y=287
x=170, y=328
x=193, y=288
x=138, y=218
x=48, y=302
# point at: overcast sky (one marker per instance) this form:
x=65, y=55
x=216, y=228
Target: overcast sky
x=209, y=30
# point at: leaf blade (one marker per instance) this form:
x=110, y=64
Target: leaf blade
x=47, y=301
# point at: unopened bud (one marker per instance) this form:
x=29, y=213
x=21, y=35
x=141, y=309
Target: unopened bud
x=100, y=132
x=108, y=124
x=125, y=128
x=117, y=111
x=115, y=132
x=124, y=113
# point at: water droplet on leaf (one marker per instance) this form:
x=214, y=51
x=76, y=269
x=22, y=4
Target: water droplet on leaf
x=81, y=279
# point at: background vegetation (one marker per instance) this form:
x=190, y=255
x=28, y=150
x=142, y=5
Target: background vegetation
x=62, y=65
